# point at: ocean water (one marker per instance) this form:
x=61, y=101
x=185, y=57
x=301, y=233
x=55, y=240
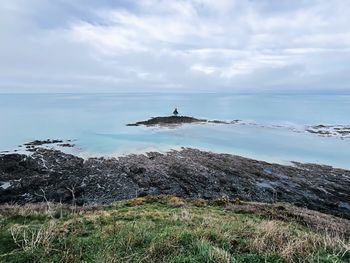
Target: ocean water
x=272, y=127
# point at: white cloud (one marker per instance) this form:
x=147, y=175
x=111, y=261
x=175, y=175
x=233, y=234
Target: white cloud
x=158, y=44
x=204, y=69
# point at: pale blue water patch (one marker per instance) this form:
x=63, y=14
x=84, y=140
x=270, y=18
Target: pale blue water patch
x=98, y=123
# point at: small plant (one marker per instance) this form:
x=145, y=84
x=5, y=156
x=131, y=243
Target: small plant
x=199, y=202
x=219, y=255
x=237, y=201
x=176, y=201
x=280, y=207
x=223, y=201
x=32, y=237
x=184, y=216
x=137, y=201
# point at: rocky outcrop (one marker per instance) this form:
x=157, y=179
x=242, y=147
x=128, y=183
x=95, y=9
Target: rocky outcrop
x=55, y=176
x=178, y=120
x=168, y=120
x=42, y=142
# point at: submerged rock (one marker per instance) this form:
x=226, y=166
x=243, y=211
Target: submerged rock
x=66, y=145
x=53, y=175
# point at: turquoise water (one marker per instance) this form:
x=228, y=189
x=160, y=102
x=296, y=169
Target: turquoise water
x=97, y=122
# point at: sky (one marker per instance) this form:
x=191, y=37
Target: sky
x=171, y=46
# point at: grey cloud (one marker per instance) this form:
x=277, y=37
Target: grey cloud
x=223, y=45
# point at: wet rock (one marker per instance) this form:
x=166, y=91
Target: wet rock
x=56, y=176
x=42, y=142
x=219, y=122
x=168, y=120
x=66, y=145
x=340, y=131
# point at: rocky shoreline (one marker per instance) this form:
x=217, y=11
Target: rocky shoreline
x=51, y=175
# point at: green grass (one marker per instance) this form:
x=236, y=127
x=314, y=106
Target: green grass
x=160, y=229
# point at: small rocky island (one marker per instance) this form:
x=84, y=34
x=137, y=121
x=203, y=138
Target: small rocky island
x=168, y=120
x=174, y=119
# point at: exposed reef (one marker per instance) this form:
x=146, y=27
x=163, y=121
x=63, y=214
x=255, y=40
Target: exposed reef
x=341, y=131
x=42, y=142
x=52, y=175
x=31, y=146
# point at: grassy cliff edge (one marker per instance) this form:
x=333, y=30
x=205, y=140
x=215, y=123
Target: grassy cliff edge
x=171, y=229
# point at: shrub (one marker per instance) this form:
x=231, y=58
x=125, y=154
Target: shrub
x=222, y=201
x=199, y=202
x=33, y=237
x=137, y=201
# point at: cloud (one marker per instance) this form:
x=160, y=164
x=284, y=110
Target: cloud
x=193, y=45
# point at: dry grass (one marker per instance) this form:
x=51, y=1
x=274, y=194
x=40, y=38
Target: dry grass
x=184, y=216
x=314, y=220
x=32, y=237
x=285, y=240
x=218, y=255
x=53, y=210
x=171, y=229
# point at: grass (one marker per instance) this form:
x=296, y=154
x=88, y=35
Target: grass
x=162, y=229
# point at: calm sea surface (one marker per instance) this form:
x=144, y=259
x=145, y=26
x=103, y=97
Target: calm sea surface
x=98, y=124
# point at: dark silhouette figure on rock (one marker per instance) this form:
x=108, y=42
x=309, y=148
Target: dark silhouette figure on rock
x=175, y=112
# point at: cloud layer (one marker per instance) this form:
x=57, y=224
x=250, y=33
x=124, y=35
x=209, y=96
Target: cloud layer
x=158, y=45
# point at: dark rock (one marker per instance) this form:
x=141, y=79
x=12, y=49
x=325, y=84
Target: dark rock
x=42, y=142
x=177, y=120
x=168, y=120
x=56, y=176
x=341, y=131
x=66, y=145
x=218, y=122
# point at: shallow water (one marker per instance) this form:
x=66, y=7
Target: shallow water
x=97, y=122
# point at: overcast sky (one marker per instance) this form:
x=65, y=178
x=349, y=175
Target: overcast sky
x=189, y=45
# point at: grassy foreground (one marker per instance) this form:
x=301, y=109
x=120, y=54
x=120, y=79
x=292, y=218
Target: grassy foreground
x=163, y=229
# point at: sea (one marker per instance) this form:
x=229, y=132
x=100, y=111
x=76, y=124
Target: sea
x=272, y=127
